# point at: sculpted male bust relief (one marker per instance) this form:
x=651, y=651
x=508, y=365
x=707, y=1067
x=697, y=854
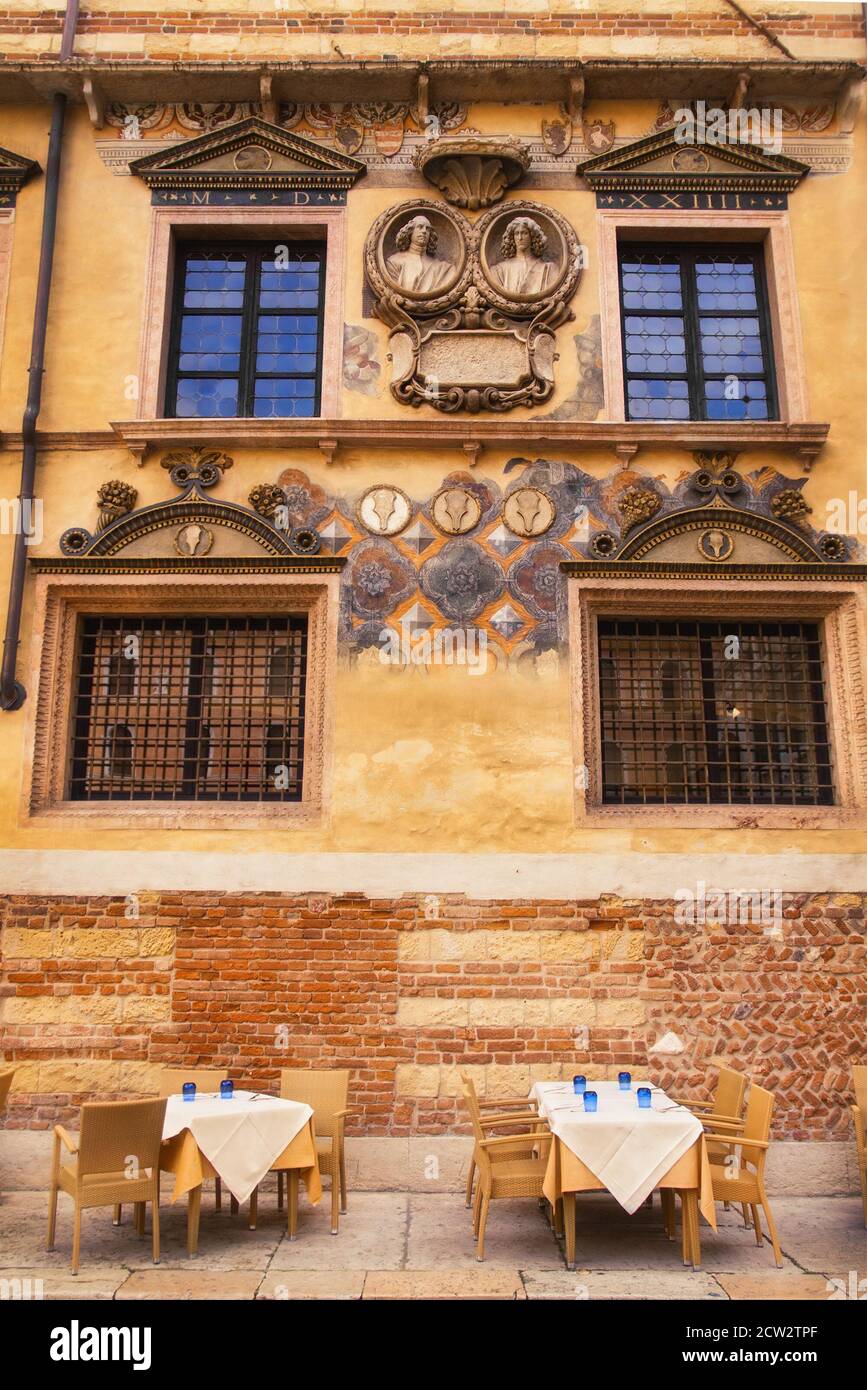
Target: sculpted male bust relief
x=414, y=266
x=522, y=269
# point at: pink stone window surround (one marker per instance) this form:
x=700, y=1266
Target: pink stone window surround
x=169, y=225
x=771, y=229
x=837, y=608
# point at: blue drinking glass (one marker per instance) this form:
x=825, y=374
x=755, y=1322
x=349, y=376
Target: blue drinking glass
x=591, y=1101
x=579, y=1085
x=624, y=1080
x=644, y=1097
x=189, y=1090
x=227, y=1089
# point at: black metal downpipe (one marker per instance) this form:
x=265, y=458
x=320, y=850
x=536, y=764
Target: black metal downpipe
x=12, y=692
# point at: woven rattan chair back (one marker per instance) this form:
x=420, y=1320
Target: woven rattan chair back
x=173, y=1078
x=115, y=1132
x=5, y=1085
x=326, y=1092
x=730, y=1088
x=859, y=1083
x=757, y=1125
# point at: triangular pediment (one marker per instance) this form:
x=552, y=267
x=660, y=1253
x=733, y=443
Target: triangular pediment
x=664, y=163
x=252, y=154
x=15, y=170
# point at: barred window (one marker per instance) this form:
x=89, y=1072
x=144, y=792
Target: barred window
x=247, y=331
x=696, y=333
x=713, y=712
x=189, y=709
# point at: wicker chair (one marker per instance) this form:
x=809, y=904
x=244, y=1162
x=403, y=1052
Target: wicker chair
x=859, y=1115
x=745, y=1182
x=327, y=1092
x=494, y=1115
x=502, y=1171
x=110, y=1135
x=5, y=1084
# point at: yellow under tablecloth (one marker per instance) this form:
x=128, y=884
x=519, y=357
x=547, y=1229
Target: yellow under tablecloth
x=566, y=1173
x=183, y=1157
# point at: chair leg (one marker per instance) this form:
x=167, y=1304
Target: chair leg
x=483, y=1221
x=280, y=1189
x=117, y=1215
x=218, y=1194
x=76, y=1238
x=342, y=1181
x=684, y=1232
x=155, y=1231
x=52, y=1216
x=233, y=1205
x=745, y=1212
x=772, y=1229
x=194, y=1206
x=694, y=1238
x=254, y=1208
x=335, y=1200
x=471, y=1173
x=477, y=1207
x=756, y=1224
x=863, y=1174
x=293, y=1203
x=139, y=1218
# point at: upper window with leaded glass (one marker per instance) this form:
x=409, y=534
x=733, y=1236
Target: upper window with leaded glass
x=696, y=333
x=247, y=330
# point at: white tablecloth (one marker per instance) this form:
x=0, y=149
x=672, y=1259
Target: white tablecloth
x=626, y=1148
x=241, y=1137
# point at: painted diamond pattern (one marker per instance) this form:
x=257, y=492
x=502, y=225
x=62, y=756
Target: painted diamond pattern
x=417, y=537
x=416, y=619
x=507, y=621
x=503, y=540
x=335, y=536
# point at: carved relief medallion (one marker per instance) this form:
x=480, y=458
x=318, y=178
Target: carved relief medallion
x=716, y=545
x=384, y=510
x=253, y=157
x=456, y=510
x=472, y=308
x=528, y=511
x=193, y=540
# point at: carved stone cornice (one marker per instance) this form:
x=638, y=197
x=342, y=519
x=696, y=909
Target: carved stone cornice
x=15, y=170
x=802, y=440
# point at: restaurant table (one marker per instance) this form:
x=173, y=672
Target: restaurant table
x=239, y=1140
x=629, y=1152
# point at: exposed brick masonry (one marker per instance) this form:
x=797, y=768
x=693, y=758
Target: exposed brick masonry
x=94, y=1001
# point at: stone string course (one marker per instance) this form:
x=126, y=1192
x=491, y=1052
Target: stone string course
x=93, y=1003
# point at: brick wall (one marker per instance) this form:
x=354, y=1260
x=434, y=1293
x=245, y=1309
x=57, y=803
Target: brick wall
x=405, y=992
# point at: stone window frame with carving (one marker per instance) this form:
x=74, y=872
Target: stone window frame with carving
x=616, y=227
x=838, y=609
x=61, y=599
x=169, y=224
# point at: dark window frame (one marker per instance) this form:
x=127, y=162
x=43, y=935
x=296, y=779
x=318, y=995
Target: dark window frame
x=687, y=253
x=198, y=764
x=716, y=773
x=256, y=251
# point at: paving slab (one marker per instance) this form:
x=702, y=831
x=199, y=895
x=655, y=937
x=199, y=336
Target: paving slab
x=441, y=1235
x=372, y=1236
x=47, y=1283
x=585, y=1285
x=307, y=1284
x=189, y=1284
x=463, y=1284
x=823, y=1234
x=777, y=1284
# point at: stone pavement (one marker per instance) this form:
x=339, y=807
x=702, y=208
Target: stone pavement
x=415, y=1244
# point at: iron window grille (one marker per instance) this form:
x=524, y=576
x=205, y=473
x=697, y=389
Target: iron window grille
x=246, y=336
x=713, y=712
x=189, y=709
x=696, y=332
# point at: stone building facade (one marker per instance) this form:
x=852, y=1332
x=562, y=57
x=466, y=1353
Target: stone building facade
x=443, y=638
